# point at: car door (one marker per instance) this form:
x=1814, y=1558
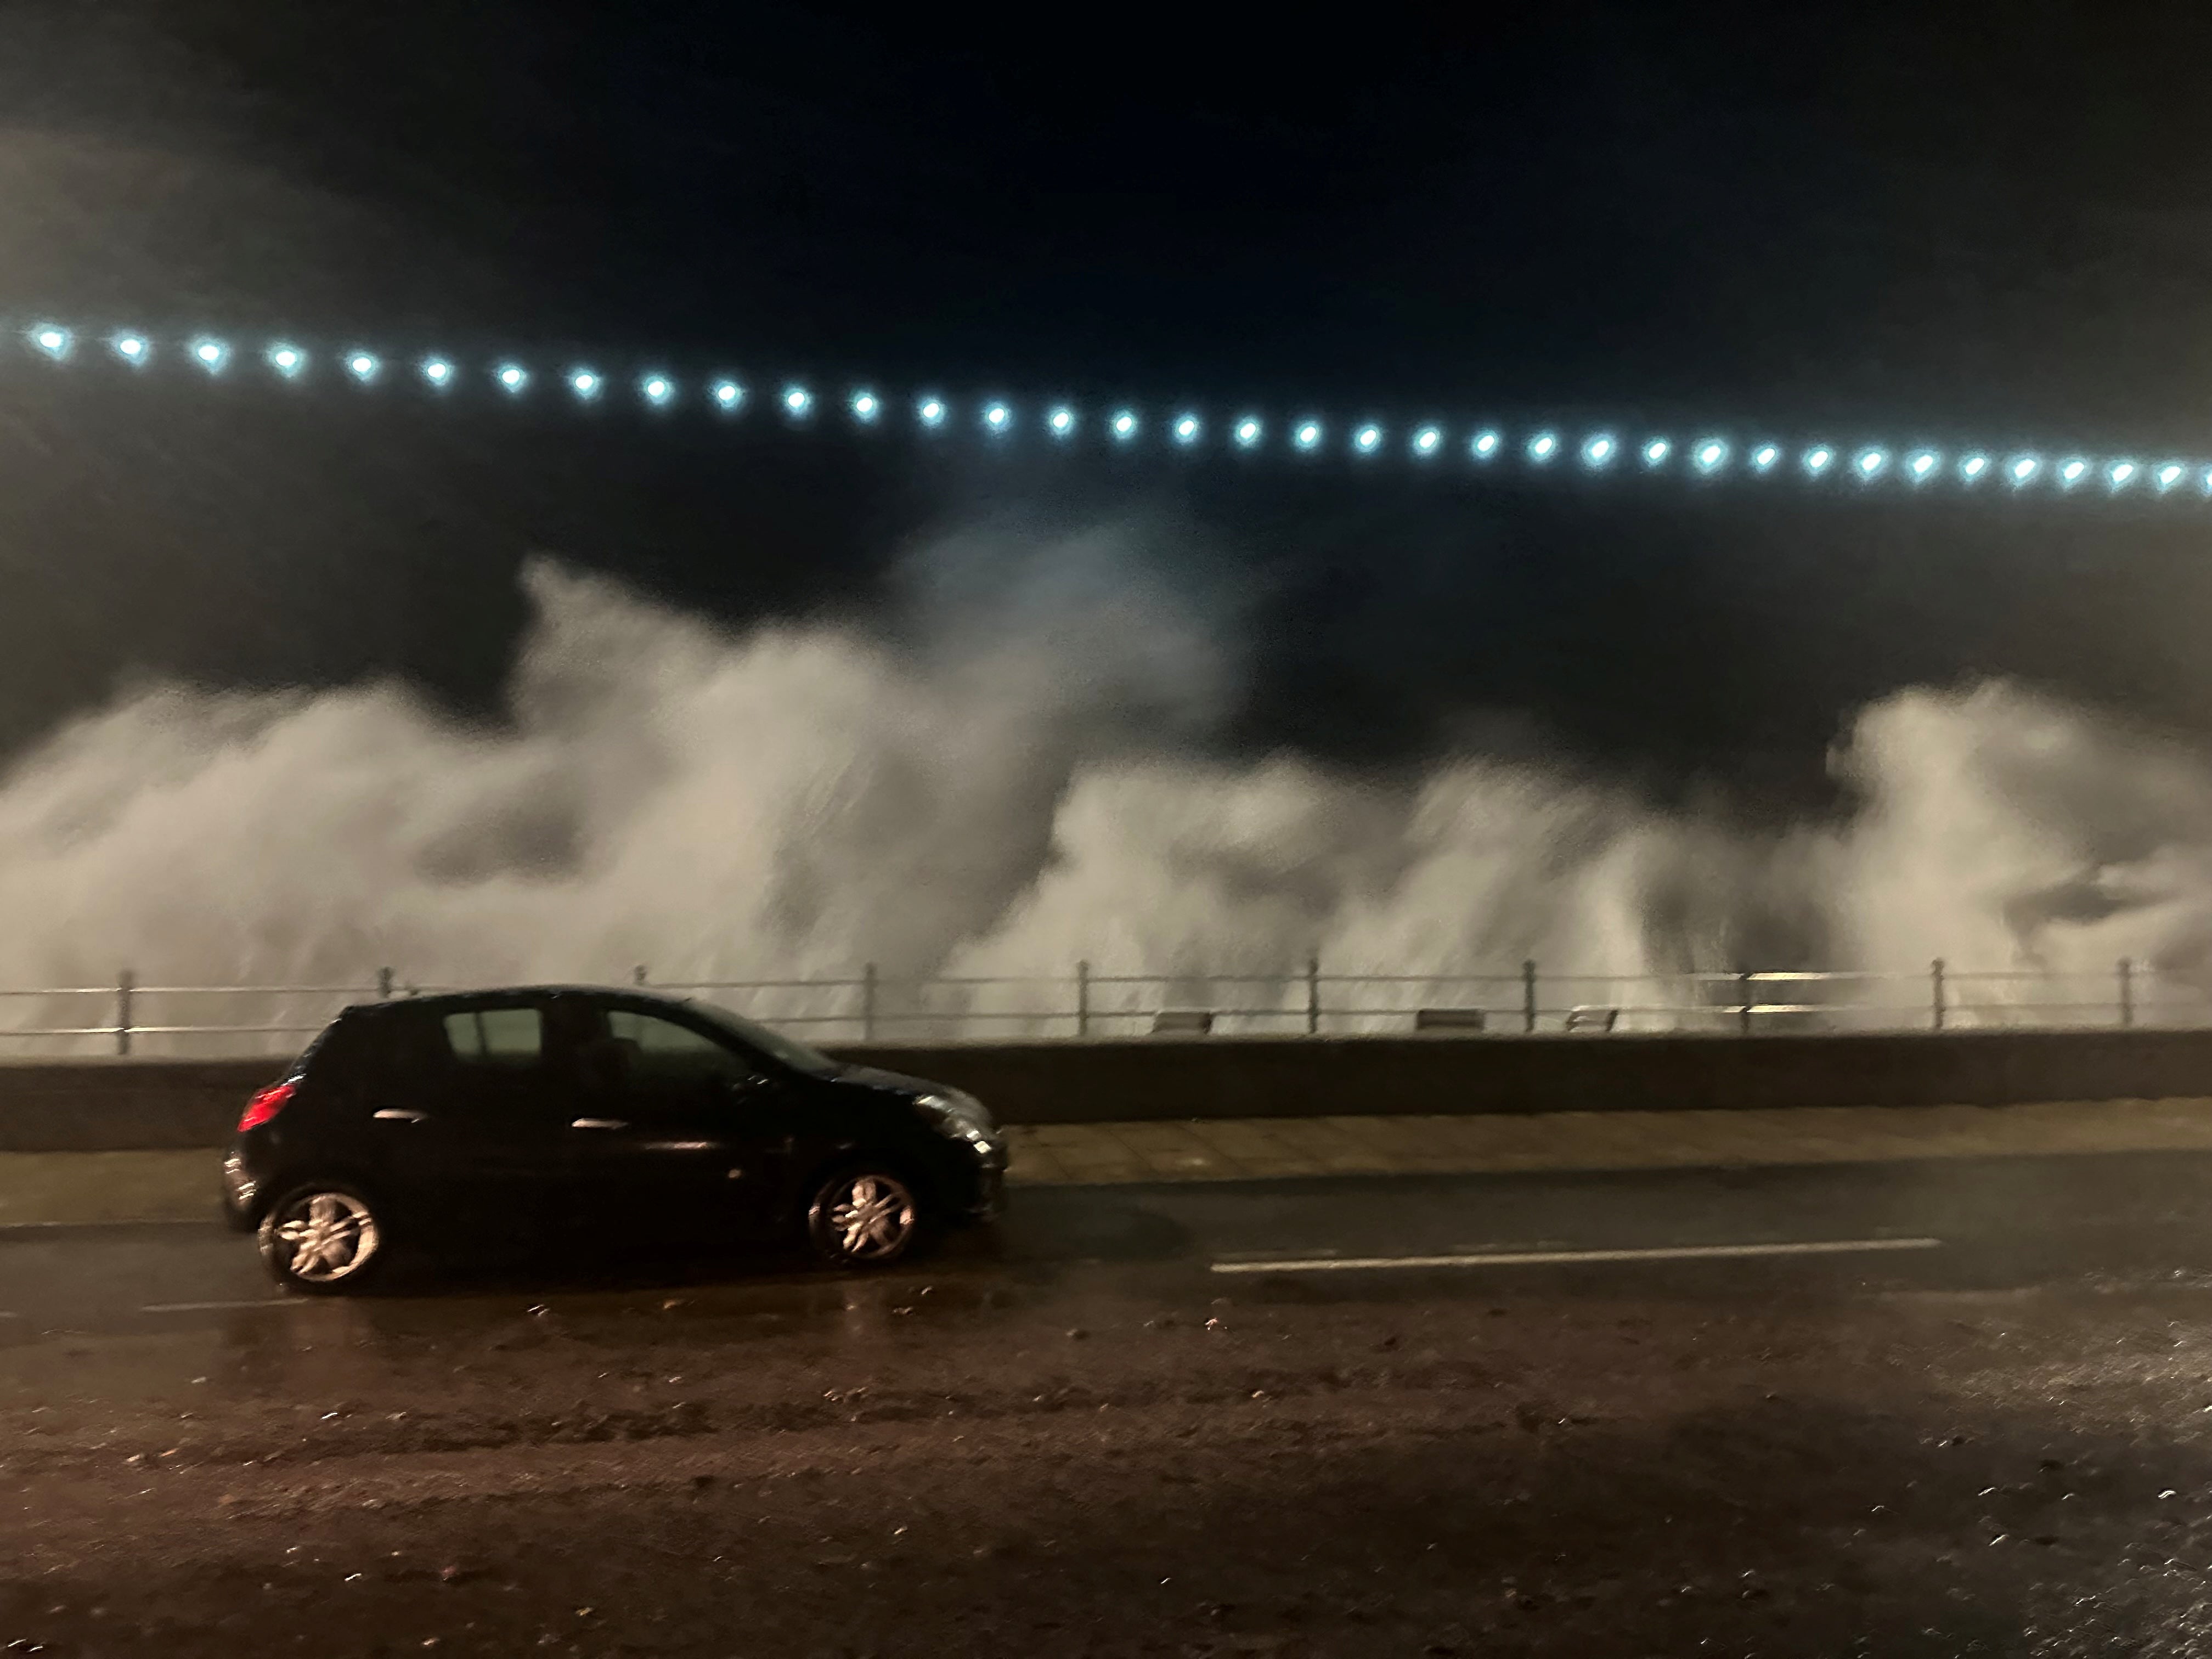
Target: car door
x=470, y=1115
x=680, y=1130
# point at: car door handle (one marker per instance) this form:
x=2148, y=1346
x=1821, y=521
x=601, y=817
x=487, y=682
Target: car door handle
x=599, y=1123
x=401, y=1115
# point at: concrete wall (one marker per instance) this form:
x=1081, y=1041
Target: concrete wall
x=100, y=1104
x=1294, y=1076
x=110, y=1105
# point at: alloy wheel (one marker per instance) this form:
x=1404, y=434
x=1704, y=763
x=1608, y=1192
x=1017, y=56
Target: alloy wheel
x=325, y=1236
x=868, y=1217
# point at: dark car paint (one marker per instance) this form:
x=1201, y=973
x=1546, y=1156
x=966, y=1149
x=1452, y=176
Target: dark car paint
x=481, y=1155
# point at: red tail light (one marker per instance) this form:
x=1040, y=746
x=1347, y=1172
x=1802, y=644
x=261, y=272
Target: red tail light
x=266, y=1105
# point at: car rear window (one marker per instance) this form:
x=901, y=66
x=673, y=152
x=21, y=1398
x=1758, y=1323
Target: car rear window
x=336, y=1048
x=497, y=1037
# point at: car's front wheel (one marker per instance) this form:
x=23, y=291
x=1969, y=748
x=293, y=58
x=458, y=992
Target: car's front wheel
x=323, y=1238
x=864, y=1215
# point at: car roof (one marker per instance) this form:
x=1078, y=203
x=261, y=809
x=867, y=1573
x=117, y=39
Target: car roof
x=478, y=998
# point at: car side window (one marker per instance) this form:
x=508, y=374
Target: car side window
x=508, y=1039
x=658, y=1048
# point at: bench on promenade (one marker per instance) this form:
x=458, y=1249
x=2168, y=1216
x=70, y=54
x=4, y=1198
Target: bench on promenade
x=1448, y=1019
x=1183, y=1022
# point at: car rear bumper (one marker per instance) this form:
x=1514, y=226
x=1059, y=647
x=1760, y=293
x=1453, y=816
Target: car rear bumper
x=242, y=1193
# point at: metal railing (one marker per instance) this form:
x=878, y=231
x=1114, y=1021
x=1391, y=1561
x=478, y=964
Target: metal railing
x=127, y=1017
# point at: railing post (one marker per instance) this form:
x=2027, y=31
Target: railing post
x=125, y=984
x=1528, y=996
x=1743, y=990
x=1935, y=994
x=637, y=975
x=1313, y=995
x=2127, y=991
x=384, y=985
x=868, y=1002
x=1083, y=998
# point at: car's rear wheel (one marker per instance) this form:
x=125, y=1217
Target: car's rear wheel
x=323, y=1238
x=864, y=1215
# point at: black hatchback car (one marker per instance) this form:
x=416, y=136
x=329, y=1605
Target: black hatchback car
x=494, y=1118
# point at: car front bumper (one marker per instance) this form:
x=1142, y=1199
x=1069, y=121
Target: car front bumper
x=988, y=1201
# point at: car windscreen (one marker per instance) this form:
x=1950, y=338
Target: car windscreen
x=774, y=1044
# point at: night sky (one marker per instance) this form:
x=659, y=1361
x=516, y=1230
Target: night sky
x=1904, y=223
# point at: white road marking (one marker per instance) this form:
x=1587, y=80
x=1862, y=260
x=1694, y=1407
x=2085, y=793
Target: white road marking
x=1547, y=1258
x=223, y=1307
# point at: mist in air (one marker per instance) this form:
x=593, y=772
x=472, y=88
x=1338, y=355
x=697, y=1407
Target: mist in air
x=1012, y=777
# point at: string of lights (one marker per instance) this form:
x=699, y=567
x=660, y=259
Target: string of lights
x=1707, y=456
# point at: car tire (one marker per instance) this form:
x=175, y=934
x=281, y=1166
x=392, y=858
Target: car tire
x=325, y=1238
x=865, y=1214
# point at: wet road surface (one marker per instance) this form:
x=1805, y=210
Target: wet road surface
x=1931, y=1408
x=1959, y=1222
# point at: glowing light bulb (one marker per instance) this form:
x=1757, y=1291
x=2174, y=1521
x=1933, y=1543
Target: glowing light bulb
x=2072, y=471
x=1485, y=445
x=1186, y=429
x=1125, y=426
x=866, y=407
x=658, y=389
x=1819, y=459
x=584, y=383
x=133, y=347
x=2022, y=469
x=931, y=411
x=513, y=376
x=364, y=367
x=1598, y=450
x=1973, y=466
x=1870, y=462
x=1543, y=446
x=2120, y=474
x=1765, y=457
x=2168, y=476
x=1428, y=441
x=437, y=370
x=210, y=354
x=1710, y=454
x=1307, y=436
x=286, y=360
x=727, y=393
x=1061, y=421
x=53, y=339
x=797, y=399
x=1368, y=438
x=1247, y=432
x=1923, y=466
x=998, y=417
x=1657, y=451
